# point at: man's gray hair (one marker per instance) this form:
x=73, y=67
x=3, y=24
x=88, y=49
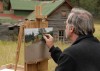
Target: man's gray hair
x=82, y=21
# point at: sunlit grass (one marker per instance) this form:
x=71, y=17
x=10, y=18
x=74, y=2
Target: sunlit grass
x=97, y=31
x=8, y=52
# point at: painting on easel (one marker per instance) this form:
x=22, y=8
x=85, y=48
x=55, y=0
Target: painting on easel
x=35, y=46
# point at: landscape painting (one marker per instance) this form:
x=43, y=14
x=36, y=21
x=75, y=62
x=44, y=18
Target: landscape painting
x=35, y=46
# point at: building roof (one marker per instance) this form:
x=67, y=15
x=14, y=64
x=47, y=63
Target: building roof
x=23, y=4
x=48, y=8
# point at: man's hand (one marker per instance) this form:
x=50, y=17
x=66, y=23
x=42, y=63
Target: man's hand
x=49, y=40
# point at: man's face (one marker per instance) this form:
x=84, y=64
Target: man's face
x=67, y=30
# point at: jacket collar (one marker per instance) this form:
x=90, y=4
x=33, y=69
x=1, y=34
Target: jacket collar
x=81, y=37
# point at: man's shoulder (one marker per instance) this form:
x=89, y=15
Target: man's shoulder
x=76, y=49
x=72, y=49
x=82, y=48
x=82, y=45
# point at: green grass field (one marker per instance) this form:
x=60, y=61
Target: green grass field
x=8, y=50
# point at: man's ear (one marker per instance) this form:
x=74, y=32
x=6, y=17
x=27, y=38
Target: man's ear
x=71, y=29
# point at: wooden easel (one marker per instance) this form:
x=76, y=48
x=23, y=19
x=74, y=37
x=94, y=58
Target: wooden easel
x=38, y=23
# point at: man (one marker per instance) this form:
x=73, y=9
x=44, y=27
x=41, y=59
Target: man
x=84, y=53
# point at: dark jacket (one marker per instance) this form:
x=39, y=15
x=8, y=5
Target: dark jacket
x=82, y=55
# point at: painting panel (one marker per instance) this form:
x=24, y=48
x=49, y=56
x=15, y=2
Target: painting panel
x=35, y=45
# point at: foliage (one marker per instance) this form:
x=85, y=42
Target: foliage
x=91, y=5
x=38, y=37
x=6, y=4
x=29, y=38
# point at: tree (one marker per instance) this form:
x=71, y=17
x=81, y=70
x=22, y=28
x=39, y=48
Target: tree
x=97, y=11
x=6, y=4
x=91, y=5
x=78, y=2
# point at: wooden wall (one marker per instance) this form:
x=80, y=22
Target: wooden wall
x=56, y=20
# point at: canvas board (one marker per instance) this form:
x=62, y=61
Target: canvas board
x=35, y=46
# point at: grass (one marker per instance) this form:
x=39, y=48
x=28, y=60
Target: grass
x=97, y=31
x=8, y=53
x=8, y=50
